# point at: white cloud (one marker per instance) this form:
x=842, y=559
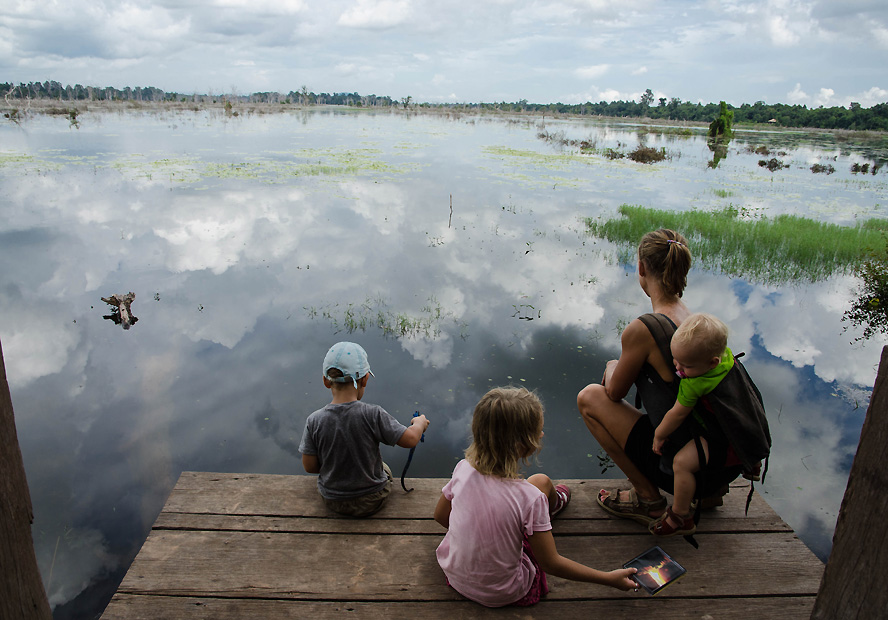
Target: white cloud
x=797, y=95
x=825, y=98
x=781, y=34
x=592, y=72
x=376, y=14
x=640, y=71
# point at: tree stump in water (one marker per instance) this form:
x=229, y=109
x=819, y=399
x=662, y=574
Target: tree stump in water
x=121, y=312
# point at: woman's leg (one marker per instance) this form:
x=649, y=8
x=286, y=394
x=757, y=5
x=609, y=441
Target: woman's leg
x=611, y=422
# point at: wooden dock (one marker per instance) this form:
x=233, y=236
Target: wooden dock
x=231, y=546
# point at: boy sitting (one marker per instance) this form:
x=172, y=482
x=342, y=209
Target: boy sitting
x=341, y=441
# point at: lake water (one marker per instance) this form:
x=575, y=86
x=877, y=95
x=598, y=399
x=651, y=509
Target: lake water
x=451, y=247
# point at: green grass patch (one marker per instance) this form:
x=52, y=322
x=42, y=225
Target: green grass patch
x=786, y=248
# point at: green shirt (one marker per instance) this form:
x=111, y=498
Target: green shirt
x=692, y=388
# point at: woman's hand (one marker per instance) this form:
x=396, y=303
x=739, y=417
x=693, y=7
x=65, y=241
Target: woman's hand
x=608, y=371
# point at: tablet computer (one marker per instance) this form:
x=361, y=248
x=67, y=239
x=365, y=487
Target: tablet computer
x=656, y=570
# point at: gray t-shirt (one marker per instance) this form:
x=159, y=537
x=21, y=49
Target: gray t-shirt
x=346, y=439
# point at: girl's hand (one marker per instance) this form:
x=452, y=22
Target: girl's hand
x=658, y=445
x=620, y=580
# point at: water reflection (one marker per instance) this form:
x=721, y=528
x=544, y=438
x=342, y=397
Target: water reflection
x=245, y=278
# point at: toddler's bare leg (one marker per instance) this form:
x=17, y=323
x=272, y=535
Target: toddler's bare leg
x=685, y=464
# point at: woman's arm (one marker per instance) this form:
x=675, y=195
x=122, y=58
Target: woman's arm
x=442, y=511
x=543, y=545
x=636, y=345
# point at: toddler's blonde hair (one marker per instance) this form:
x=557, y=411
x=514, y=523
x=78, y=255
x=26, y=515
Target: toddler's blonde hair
x=704, y=333
x=507, y=427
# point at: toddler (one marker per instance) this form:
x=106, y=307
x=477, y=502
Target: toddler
x=499, y=540
x=702, y=359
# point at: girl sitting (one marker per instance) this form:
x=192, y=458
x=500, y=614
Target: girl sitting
x=499, y=542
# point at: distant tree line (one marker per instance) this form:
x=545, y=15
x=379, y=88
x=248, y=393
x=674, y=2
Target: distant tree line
x=854, y=117
x=78, y=92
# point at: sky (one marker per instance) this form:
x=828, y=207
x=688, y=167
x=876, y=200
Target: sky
x=823, y=52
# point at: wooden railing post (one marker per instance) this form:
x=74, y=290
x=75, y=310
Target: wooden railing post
x=853, y=584
x=21, y=588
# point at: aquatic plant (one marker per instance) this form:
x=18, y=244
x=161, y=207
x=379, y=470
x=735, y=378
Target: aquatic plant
x=647, y=154
x=376, y=313
x=772, y=164
x=723, y=126
x=828, y=168
x=785, y=248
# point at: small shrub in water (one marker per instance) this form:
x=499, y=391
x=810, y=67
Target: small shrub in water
x=772, y=164
x=828, y=168
x=647, y=154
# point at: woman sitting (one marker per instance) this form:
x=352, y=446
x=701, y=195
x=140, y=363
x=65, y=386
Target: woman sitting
x=664, y=260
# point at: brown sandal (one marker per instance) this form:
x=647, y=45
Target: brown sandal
x=664, y=525
x=636, y=508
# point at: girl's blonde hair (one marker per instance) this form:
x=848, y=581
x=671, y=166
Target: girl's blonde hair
x=704, y=333
x=666, y=254
x=507, y=427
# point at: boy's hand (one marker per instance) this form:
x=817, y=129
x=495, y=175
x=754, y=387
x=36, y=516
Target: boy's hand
x=659, y=442
x=421, y=419
x=620, y=579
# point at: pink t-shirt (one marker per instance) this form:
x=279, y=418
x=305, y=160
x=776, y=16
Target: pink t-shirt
x=481, y=554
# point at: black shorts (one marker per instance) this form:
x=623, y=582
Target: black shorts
x=709, y=479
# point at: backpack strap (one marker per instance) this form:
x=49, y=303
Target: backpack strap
x=661, y=328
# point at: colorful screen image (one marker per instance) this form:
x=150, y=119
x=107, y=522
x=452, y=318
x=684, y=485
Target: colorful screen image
x=656, y=570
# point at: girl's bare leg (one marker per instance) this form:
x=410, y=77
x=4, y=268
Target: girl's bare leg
x=544, y=484
x=610, y=422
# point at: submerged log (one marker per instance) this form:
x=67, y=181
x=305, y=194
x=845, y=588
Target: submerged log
x=121, y=311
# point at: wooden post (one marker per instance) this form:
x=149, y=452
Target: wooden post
x=21, y=588
x=853, y=584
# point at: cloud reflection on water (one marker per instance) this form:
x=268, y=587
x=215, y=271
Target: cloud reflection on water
x=224, y=364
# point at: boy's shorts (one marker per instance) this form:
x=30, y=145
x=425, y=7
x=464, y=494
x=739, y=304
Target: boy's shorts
x=363, y=505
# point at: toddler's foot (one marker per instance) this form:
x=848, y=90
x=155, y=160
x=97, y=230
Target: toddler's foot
x=673, y=524
x=563, y=497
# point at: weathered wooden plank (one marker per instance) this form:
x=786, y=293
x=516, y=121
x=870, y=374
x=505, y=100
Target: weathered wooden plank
x=130, y=607
x=380, y=567
x=278, y=495
x=595, y=525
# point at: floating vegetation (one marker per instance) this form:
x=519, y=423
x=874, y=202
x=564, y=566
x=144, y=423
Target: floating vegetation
x=375, y=313
x=772, y=164
x=858, y=168
x=786, y=248
x=648, y=154
x=818, y=168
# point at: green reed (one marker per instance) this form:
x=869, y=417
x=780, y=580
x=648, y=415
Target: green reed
x=785, y=248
